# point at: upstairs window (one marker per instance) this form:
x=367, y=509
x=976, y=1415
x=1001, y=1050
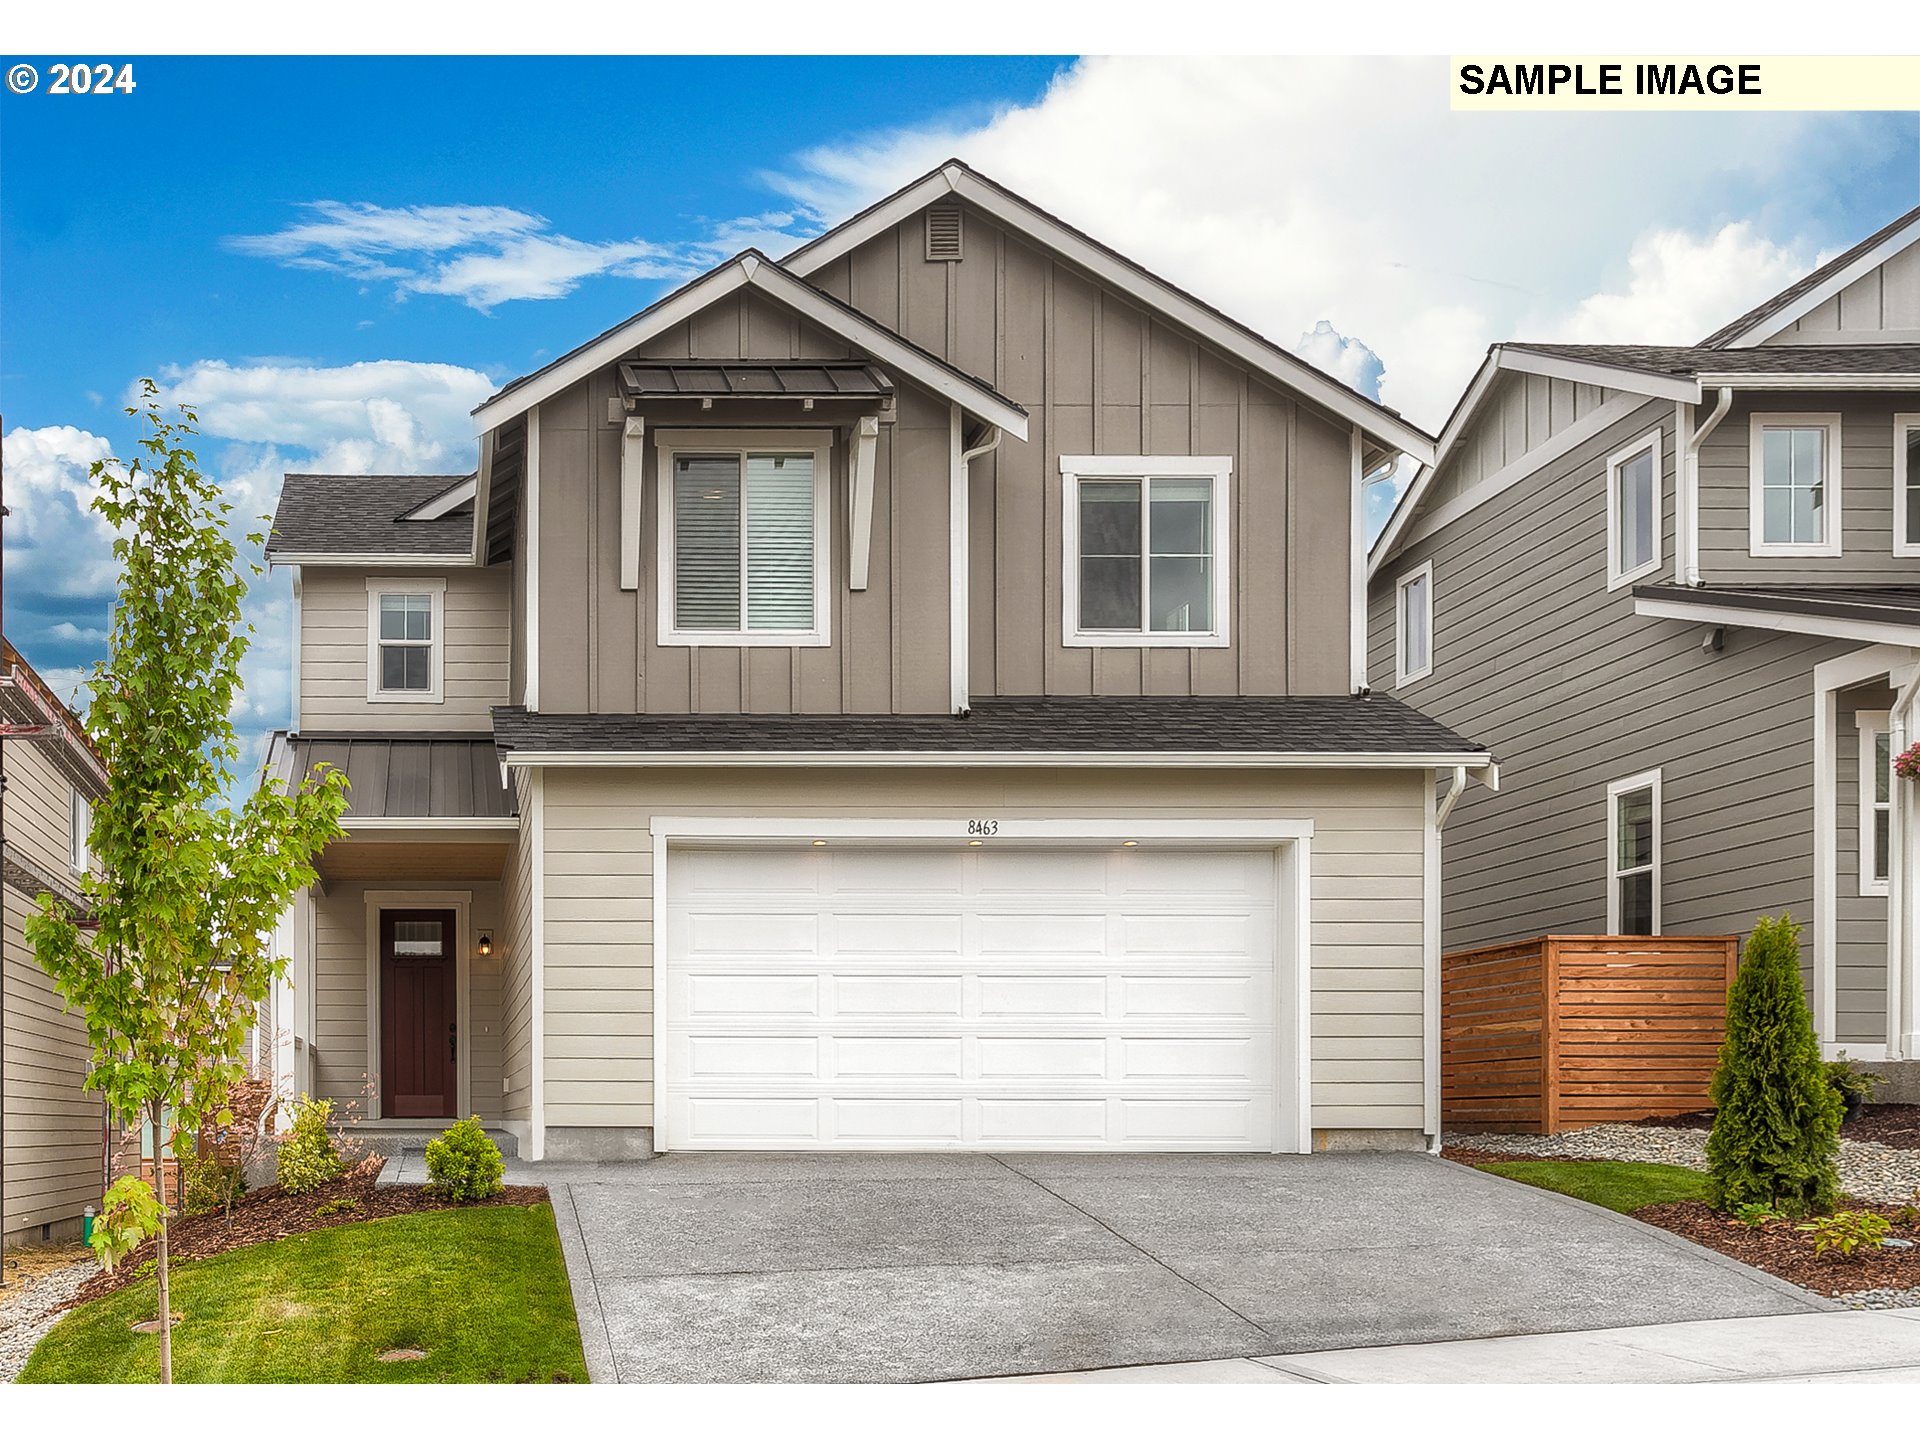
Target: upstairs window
x=1795, y=485
x=744, y=539
x=1633, y=511
x=1876, y=801
x=1413, y=625
x=404, y=644
x=1145, y=550
x=80, y=822
x=1633, y=845
x=1906, y=484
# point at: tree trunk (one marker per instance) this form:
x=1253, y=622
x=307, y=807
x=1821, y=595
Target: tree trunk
x=160, y=1266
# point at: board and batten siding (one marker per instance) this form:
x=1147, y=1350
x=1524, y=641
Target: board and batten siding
x=1866, y=493
x=1367, y=915
x=1522, y=413
x=341, y=1061
x=54, y=1126
x=333, y=651
x=1537, y=659
x=1882, y=305
x=1860, y=921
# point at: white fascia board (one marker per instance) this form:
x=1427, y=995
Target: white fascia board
x=888, y=349
x=693, y=298
x=1261, y=355
x=445, y=502
x=757, y=829
x=354, y=824
x=1786, y=380
x=1774, y=322
x=358, y=560
x=1001, y=759
x=1409, y=505
x=1735, y=617
x=1589, y=372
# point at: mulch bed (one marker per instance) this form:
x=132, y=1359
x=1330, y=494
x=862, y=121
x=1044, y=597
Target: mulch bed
x=1897, y=1126
x=1779, y=1249
x=271, y=1213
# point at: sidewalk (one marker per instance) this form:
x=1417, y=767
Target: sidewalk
x=1861, y=1347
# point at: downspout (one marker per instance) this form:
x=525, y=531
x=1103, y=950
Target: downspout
x=1690, y=477
x=959, y=552
x=1900, y=890
x=1430, y=917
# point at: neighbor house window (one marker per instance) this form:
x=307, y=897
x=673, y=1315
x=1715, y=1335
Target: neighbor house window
x=1145, y=549
x=1906, y=482
x=80, y=820
x=743, y=538
x=1876, y=801
x=1413, y=625
x=1633, y=511
x=405, y=643
x=1633, y=855
x=1795, y=485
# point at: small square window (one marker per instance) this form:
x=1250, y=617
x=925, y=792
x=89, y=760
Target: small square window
x=1145, y=550
x=403, y=640
x=1794, y=485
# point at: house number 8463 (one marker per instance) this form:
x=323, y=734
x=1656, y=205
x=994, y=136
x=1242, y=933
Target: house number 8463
x=983, y=827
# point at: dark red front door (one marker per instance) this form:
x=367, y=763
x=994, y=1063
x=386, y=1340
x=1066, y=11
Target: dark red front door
x=418, y=1041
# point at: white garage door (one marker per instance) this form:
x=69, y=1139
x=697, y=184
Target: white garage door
x=846, y=998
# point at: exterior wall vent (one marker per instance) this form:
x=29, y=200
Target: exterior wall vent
x=944, y=233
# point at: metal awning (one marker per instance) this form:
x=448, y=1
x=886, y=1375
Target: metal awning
x=757, y=380
x=394, y=777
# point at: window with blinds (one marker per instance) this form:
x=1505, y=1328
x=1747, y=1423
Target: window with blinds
x=744, y=540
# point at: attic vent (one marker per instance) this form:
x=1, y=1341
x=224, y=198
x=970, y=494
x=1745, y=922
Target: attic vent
x=943, y=234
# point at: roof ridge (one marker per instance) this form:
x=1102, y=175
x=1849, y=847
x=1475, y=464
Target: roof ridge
x=1731, y=331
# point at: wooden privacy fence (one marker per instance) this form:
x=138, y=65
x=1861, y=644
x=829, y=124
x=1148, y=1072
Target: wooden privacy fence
x=1561, y=1031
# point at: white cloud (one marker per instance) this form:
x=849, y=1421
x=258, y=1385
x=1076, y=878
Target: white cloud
x=486, y=255
x=1681, y=287
x=1296, y=191
x=1342, y=357
x=57, y=549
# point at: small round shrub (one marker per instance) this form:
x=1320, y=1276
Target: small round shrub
x=308, y=1157
x=211, y=1184
x=463, y=1164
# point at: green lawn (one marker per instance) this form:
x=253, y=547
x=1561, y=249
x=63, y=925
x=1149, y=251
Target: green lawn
x=482, y=1291
x=1622, y=1185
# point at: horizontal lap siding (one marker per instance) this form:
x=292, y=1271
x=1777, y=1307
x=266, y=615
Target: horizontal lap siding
x=1367, y=907
x=53, y=1124
x=333, y=652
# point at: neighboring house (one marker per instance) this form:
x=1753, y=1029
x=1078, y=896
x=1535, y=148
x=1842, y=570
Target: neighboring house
x=54, y=1129
x=909, y=695
x=1677, y=591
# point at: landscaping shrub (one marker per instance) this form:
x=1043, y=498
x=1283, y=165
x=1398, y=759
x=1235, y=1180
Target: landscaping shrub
x=339, y=1205
x=1846, y=1231
x=308, y=1157
x=464, y=1164
x=211, y=1184
x=1854, y=1085
x=1776, y=1122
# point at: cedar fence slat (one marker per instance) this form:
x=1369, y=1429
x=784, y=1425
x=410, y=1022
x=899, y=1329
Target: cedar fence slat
x=1547, y=1034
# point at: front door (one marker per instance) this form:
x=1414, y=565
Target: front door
x=419, y=1042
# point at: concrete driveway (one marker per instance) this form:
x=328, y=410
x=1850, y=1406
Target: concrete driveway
x=931, y=1267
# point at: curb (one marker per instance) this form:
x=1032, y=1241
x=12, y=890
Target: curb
x=595, y=1344
x=1786, y=1288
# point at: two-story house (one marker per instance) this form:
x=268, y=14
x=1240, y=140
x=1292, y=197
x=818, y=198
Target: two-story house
x=1677, y=590
x=907, y=695
x=52, y=1129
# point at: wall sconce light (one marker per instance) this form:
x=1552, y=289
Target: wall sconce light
x=1129, y=843
x=486, y=942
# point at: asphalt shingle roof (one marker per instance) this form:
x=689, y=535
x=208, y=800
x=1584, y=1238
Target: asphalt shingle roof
x=1688, y=360
x=360, y=515
x=1316, y=724
x=1892, y=604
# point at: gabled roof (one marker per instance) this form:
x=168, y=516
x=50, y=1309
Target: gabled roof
x=26, y=699
x=1814, y=289
x=752, y=269
x=346, y=517
x=1112, y=268
x=1692, y=362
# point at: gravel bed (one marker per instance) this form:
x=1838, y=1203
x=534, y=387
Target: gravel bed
x=29, y=1314
x=1868, y=1170
x=1881, y=1299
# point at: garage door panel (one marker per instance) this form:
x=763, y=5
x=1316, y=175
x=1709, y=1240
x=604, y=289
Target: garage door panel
x=714, y=872
x=724, y=1120
x=720, y=931
x=895, y=872
x=898, y=994
x=1186, y=873
x=1049, y=936
x=902, y=935
x=1042, y=995
x=1043, y=1122
x=1190, y=1058
x=723, y=1057
x=1214, y=996
x=1187, y=934
x=898, y=1121
x=1033, y=1057
x=1066, y=873
x=855, y=1057
x=1226, y=1122
x=745, y=994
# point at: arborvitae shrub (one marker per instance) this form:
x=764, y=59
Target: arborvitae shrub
x=1776, y=1124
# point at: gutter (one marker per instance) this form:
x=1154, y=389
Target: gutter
x=1010, y=759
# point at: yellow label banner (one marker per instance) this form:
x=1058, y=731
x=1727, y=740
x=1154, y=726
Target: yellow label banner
x=1686, y=82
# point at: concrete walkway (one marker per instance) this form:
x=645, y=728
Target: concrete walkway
x=813, y=1267
x=1854, y=1347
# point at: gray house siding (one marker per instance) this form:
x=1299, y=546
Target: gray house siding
x=1534, y=657
x=1883, y=304
x=1522, y=413
x=1866, y=493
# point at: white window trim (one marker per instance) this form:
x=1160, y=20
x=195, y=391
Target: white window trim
x=1901, y=425
x=1616, y=577
x=1401, y=674
x=79, y=823
x=1757, y=426
x=817, y=442
x=1871, y=724
x=435, y=589
x=1218, y=469
x=1648, y=780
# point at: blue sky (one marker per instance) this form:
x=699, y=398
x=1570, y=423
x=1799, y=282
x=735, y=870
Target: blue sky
x=334, y=259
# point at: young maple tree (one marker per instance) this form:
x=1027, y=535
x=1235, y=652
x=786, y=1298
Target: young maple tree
x=176, y=953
